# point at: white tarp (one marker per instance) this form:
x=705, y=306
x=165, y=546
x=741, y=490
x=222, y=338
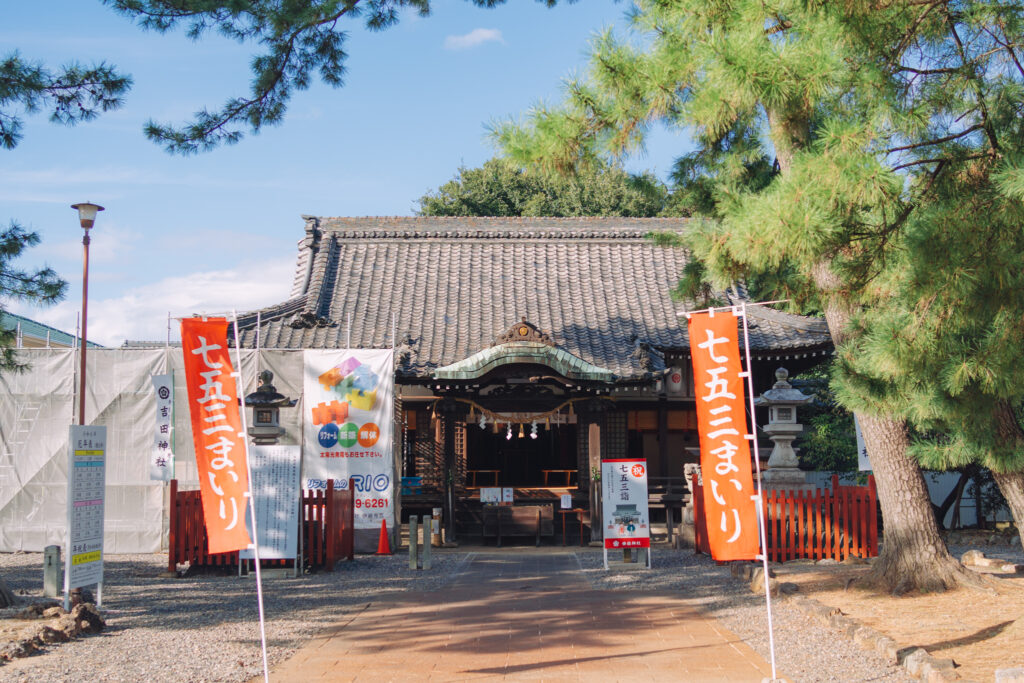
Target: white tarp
x=38, y=406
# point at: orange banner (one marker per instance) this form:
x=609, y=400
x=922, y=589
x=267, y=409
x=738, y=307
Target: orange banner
x=722, y=423
x=216, y=429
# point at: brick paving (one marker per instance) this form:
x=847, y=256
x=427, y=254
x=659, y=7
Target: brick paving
x=522, y=615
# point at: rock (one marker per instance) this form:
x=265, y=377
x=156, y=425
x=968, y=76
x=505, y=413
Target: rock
x=827, y=560
x=17, y=648
x=81, y=595
x=912, y=659
x=7, y=598
x=69, y=625
x=49, y=635
x=88, y=619
x=1014, y=675
x=854, y=559
x=757, y=581
x=788, y=588
x=741, y=570
x=53, y=612
x=972, y=557
x=30, y=612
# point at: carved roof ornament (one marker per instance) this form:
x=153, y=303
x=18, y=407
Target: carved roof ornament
x=524, y=331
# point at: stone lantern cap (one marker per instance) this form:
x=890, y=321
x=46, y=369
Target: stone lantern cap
x=266, y=396
x=782, y=393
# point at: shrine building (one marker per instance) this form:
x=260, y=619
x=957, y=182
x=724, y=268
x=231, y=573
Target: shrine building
x=526, y=349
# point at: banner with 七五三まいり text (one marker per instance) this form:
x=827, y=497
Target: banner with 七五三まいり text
x=216, y=431
x=349, y=425
x=729, y=507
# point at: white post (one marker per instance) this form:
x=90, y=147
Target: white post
x=759, y=496
x=252, y=505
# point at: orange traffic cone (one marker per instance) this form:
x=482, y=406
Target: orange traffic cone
x=383, y=547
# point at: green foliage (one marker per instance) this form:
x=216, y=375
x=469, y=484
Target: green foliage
x=893, y=201
x=299, y=40
x=501, y=188
x=829, y=439
x=71, y=94
x=41, y=286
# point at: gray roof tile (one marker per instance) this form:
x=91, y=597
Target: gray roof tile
x=598, y=286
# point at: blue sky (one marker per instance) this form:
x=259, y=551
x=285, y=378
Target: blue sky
x=218, y=231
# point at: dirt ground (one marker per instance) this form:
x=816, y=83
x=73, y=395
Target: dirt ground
x=980, y=631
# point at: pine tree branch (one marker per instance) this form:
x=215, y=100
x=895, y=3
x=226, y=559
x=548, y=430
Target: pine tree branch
x=973, y=79
x=937, y=141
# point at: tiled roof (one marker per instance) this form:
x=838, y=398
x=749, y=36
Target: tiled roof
x=598, y=286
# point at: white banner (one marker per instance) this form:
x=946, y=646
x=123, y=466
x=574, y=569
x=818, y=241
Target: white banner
x=87, y=460
x=624, y=503
x=349, y=426
x=276, y=497
x=161, y=464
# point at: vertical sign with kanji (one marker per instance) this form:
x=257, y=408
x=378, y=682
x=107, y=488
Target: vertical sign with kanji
x=161, y=464
x=624, y=500
x=729, y=505
x=217, y=432
x=87, y=456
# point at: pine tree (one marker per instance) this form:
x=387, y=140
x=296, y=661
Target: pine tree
x=871, y=111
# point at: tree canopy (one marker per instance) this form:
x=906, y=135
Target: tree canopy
x=501, y=188
x=894, y=134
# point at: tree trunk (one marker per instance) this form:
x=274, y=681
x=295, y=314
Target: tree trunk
x=913, y=555
x=1012, y=486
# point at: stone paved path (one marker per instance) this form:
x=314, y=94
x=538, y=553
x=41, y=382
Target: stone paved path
x=525, y=616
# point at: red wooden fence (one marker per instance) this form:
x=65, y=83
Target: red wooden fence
x=826, y=523
x=327, y=530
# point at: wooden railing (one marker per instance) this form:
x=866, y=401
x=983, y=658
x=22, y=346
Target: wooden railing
x=327, y=531
x=825, y=523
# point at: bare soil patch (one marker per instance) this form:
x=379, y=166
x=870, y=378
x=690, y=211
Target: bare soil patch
x=980, y=631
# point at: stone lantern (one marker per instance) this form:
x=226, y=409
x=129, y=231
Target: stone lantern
x=266, y=405
x=783, y=471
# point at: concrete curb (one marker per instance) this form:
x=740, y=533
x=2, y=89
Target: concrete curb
x=915, y=660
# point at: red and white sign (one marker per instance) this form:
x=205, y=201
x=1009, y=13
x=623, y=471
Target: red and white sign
x=624, y=503
x=216, y=431
x=729, y=507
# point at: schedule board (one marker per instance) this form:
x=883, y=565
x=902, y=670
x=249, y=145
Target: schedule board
x=87, y=477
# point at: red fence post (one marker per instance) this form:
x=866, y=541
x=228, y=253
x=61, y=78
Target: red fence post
x=872, y=517
x=172, y=534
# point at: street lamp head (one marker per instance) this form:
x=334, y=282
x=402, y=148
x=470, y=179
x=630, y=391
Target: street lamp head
x=87, y=213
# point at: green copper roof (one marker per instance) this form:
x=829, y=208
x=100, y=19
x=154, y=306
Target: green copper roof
x=559, y=360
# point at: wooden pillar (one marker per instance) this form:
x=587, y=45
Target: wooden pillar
x=663, y=435
x=448, y=409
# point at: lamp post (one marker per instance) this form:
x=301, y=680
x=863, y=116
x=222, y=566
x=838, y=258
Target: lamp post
x=87, y=217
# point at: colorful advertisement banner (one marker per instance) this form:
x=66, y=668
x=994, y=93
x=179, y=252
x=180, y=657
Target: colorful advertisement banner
x=729, y=506
x=349, y=428
x=217, y=432
x=624, y=503
x=276, y=495
x=87, y=455
x=161, y=464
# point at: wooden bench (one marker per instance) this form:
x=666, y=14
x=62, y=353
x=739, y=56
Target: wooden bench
x=520, y=520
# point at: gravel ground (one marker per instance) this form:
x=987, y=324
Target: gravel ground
x=204, y=628
x=804, y=649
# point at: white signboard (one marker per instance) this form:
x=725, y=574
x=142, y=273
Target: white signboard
x=566, y=501
x=507, y=495
x=490, y=494
x=161, y=464
x=863, y=464
x=349, y=423
x=276, y=497
x=87, y=451
x=624, y=503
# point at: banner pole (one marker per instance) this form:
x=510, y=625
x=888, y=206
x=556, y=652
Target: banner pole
x=252, y=505
x=759, y=496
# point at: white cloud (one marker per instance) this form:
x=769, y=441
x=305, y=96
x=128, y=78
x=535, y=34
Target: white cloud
x=141, y=313
x=477, y=36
